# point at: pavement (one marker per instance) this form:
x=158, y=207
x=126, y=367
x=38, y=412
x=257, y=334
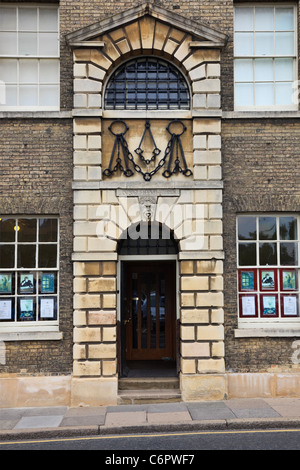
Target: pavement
x=62, y=421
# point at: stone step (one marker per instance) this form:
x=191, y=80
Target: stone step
x=148, y=383
x=135, y=397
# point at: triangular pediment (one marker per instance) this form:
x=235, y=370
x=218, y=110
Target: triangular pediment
x=202, y=35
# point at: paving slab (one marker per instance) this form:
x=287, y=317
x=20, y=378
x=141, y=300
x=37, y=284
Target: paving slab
x=84, y=416
x=287, y=411
x=166, y=407
x=30, y=422
x=209, y=411
x=134, y=418
x=11, y=414
x=126, y=408
x=245, y=403
x=7, y=424
x=168, y=418
x=97, y=420
x=256, y=413
x=86, y=411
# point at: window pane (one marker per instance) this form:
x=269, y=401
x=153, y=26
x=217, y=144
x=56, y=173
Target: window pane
x=243, y=70
x=27, y=19
x=28, y=95
x=49, y=71
x=7, y=256
x=47, y=256
x=267, y=228
x=264, y=94
x=27, y=230
x=264, y=70
x=244, y=19
x=243, y=44
x=26, y=309
x=288, y=254
x=8, y=44
x=247, y=254
x=267, y=254
x=8, y=19
x=47, y=230
x=49, y=95
x=244, y=94
x=284, y=69
x=27, y=43
x=8, y=70
x=48, y=19
x=11, y=95
x=28, y=71
x=7, y=232
x=26, y=256
x=284, y=93
x=48, y=44
x=284, y=44
x=288, y=228
x=264, y=44
x=264, y=19
x=284, y=19
x=247, y=228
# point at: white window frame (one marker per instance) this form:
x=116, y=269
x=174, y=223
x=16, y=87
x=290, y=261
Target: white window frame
x=294, y=106
x=32, y=326
x=276, y=322
x=18, y=57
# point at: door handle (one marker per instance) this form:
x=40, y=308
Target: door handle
x=127, y=321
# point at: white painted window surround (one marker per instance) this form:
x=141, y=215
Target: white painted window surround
x=265, y=57
x=29, y=57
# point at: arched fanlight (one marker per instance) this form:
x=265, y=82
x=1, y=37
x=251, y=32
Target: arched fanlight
x=147, y=83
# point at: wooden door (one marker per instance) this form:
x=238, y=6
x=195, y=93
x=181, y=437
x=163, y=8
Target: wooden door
x=150, y=317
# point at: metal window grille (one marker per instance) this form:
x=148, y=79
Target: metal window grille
x=148, y=239
x=147, y=83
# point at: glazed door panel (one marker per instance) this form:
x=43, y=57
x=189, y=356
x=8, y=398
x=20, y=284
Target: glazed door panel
x=150, y=311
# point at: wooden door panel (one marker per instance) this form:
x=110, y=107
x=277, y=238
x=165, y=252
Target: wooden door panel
x=150, y=311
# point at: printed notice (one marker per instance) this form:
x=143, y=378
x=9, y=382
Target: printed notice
x=47, y=308
x=5, y=309
x=290, y=306
x=248, y=305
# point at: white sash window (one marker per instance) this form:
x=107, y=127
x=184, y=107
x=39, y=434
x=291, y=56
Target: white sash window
x=29, y=58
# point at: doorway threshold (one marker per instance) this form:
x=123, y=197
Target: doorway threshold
x=150, y=369
x=149, y=382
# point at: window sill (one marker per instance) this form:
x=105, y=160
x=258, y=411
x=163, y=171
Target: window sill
x=32, y=336
x=260, y=114
x=35, y=114
x=266, y=332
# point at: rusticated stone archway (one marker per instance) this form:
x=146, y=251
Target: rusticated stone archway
x=104, y=207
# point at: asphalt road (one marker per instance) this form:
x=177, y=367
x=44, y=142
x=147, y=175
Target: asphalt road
x=134, y=451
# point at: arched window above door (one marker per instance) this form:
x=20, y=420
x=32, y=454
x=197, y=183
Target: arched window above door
x=147, y=83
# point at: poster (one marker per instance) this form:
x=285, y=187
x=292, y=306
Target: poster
x=247, y=281
x=47, y=283
x=290, y=306
x=26, y=309
x=267, y=278
x=5, y=283
x=248, y=306
x=5, y=309
x=47, y=308
x=288, y=279
x=269, y=306
x=26, y=283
